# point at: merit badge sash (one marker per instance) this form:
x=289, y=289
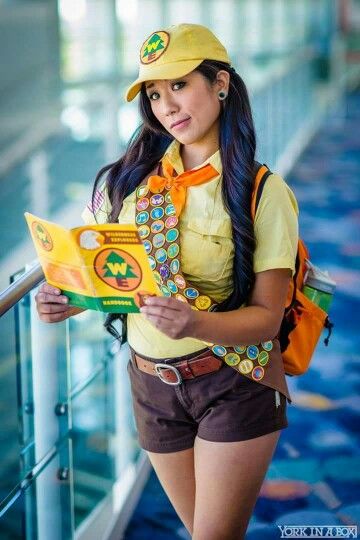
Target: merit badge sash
x=159, y=200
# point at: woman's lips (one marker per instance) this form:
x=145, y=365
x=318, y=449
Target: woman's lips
x=182, y=124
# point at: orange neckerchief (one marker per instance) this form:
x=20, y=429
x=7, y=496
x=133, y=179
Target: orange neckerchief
x=178, y=184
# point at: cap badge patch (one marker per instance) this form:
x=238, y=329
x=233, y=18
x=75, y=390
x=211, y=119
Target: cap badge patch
x=154, y=46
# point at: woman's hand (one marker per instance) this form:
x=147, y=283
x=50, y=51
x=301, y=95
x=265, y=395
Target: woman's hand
x=52, y=306
x=174, y=318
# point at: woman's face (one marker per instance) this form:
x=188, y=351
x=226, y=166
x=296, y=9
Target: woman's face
x=190, y=99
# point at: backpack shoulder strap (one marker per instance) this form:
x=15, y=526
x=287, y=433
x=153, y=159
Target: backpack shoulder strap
x=262, y=174
x=302, y=252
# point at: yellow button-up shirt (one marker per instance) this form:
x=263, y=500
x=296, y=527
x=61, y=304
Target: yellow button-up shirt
x=207, y=248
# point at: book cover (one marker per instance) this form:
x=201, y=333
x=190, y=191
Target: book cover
x=103, y=267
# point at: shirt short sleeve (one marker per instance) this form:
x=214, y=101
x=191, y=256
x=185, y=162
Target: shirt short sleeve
x=276, y=226
x=99, y=210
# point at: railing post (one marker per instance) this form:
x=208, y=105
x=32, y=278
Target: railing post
x=45, y=340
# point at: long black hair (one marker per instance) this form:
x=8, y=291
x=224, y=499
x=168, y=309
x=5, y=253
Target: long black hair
x=237, y=143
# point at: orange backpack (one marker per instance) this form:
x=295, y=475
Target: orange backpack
x=303, y=320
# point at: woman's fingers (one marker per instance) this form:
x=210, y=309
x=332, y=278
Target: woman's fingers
x=57, y=316
x=47, y=297
x=48, y=294
x=53, y=317
x=156, y=312
x=47, y=288
x=53, y=308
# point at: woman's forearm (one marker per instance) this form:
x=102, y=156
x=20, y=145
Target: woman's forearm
x=246, y=326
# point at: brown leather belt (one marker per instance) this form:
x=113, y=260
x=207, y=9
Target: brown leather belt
x=173, y=374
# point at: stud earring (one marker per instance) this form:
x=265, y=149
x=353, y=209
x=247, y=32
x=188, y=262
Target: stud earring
x=222, y=95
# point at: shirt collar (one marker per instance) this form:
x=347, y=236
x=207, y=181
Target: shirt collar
x=173, y=155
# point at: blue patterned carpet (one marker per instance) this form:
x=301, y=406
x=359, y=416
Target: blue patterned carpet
x=314, y=476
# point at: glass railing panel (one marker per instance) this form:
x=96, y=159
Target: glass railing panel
x=70, y=388
x=92, y=430
x=103, y=431
x=10, y=413
x=89, y=344
x=40, y=507
x=42, y=382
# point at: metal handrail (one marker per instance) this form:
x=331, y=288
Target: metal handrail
x=16, y=290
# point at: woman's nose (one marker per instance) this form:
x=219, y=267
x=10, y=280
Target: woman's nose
x=169, y=105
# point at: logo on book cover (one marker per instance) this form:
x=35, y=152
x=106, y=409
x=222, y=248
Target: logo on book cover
x=42, y=236
x=118, y=269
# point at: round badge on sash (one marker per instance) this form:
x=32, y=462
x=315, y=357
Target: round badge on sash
x=165, y=290
x=161, y=255
x=257, y=373
x=171, y=286
x=157, y=213
x=148, y=246
x=171, y=221
x=142, y=204
x=219, y=350
x=152, y=262
x=157, y=277
x=252, y=352
x=142, y=217
x=202, y=302
x=190, y=292
x=157, y=226
x=170, y=210
x=144, y=231
x=173, y=250
x=142, y=191
x=164, y=271
x=267, y=345
x=232, y=359
x=180, y=281
x=246, y=366
x=263, y=358
x=156, y=199
x=172, y=235
x=174, y=266
x=158, y=240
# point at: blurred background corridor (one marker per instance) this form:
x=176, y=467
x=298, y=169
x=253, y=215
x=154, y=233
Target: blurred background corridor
x=70, y=463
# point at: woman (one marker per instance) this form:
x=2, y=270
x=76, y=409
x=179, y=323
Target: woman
x=211, y=421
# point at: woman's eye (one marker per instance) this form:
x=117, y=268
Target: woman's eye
x=181, y=83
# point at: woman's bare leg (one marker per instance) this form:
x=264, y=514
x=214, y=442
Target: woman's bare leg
x=228, y=480
x=175, y=471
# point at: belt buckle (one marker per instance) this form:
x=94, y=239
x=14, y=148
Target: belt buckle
x=158, y=366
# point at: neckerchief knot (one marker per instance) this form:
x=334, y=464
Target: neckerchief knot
x=178, y=184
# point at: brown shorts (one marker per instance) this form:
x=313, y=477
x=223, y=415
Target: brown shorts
x=223, y=406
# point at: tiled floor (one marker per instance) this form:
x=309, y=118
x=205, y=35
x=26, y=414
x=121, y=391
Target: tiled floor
x=314, y=476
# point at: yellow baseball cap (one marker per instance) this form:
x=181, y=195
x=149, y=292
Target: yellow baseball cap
x=174, y=52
